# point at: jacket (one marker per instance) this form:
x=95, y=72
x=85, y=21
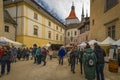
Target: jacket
x=61, y=53
x=38, y=52
x=6, y=55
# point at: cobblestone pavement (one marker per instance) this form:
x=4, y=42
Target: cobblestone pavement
x=26, y=70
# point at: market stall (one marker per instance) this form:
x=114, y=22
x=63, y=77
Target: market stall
x=9, y=42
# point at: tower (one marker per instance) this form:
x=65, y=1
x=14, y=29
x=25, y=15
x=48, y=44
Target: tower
x=72, y=18
x=86, y=13
x=82, y=15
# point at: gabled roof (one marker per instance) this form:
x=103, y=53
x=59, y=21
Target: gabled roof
x=8, y=18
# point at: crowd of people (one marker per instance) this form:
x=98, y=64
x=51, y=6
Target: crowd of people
x=12, y=54
x=91, y=60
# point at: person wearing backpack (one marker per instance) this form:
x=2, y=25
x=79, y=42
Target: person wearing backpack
x=38, y=55
x=100, y=54
x=89, y=61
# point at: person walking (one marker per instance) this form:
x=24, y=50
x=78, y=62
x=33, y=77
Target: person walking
x=27, y=53
x=19, y=53
x=89, y=62
x=44, y=55
x=14, y=53
x=73, y=59
x=80, y=54
x=51, y=51
x=100, y=53
x=5, y=61
x=38, y=55
x=68, y=56
x=34, y=52
x=1, y=52
x=61, y=55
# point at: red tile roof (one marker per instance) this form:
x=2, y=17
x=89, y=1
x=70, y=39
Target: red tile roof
x=72, y=15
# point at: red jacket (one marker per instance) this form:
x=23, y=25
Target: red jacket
x=1, y=52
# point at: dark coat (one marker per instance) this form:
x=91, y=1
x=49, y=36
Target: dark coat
x=100, y=54
x=61, y=53
x=6, y=55
x=72, y=57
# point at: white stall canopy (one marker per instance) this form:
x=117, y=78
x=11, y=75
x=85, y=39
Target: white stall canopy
x=107, y=41
x=91, y=42
x=116, y=43
x=8, y=41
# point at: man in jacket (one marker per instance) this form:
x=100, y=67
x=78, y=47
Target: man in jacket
x=61, y=55
x=5, y=61
x=100, y=54
x=34, y=52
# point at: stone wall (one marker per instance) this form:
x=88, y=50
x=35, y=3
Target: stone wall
x=100, y=19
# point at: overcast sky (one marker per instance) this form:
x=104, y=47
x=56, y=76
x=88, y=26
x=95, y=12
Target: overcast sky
x=62, y=8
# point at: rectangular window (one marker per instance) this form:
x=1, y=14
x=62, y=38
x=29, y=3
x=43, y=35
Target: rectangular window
x=49, y=34
x=80, y=31
x=6, y=28
x=61, y=29
x=56, y=36
x=110, y=3
x=111, y=31
x=71, y=33
x=49, y=23
x=60, y=38
x=35, y=31
x=68, y=33
x=35, y=16
x=56, y=27
x=93, y=22
x=75, y=33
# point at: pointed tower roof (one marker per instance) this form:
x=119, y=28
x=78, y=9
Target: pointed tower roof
x=86, y=13
x=72, y=14
x=82, y=15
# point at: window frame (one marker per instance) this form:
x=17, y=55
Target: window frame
x=7, y=28
x=35, y=16
x=110, y=4
x=35, y=32
x=49, y=34
x=49, y=23
x=111, y=31
x=75, y=33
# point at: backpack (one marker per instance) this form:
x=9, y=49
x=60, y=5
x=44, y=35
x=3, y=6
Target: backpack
x=90, y=61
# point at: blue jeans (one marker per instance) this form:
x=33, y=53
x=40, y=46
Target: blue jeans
x=100, y=71
x=3, y=64
x=60, y=60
